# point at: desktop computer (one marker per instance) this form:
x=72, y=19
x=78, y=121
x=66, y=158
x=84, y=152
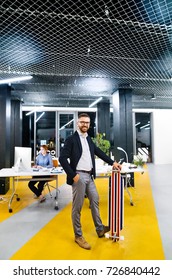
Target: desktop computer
x=22, y=158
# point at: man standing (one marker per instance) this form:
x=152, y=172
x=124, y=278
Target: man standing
x=78, y=161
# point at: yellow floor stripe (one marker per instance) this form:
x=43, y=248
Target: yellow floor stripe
x=142, y=240
x=26, y=198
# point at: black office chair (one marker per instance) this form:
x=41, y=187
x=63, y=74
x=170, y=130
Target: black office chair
x=47, y=184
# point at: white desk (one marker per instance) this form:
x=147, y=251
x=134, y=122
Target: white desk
x=105, y=171
x=27, y=176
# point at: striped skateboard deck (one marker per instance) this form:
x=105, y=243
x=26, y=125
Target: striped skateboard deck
x=116, y=206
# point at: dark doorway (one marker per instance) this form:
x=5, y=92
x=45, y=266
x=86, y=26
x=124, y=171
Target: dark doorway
x=143, y=135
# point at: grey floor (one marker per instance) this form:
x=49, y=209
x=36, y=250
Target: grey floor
x=25, y=225
x=162, y=192
x=160, y=177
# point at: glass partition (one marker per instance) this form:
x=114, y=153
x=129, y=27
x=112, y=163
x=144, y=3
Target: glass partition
x=45, y=131
x=66, y=127
x=143, y=135
x=50, y=128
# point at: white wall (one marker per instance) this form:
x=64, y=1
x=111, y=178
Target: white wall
x=162, y=136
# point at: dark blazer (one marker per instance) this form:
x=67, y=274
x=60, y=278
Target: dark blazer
x=71, y=153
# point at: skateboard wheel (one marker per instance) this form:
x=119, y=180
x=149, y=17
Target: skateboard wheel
x=121, y=237
x=107, y=235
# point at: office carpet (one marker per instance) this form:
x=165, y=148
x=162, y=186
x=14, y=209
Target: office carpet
x=142, y=240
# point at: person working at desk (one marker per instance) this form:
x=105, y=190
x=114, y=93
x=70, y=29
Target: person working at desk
x=80, y=170
x=43, y=160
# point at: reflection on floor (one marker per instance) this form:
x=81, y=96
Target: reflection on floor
x=42, y=233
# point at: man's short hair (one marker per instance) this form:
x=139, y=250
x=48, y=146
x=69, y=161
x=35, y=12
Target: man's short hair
x=83, y=115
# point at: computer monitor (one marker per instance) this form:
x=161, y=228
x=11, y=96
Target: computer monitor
x=22, y=157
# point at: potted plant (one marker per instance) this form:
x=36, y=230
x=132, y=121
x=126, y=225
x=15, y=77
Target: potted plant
x=139, y=160
x=102, y=143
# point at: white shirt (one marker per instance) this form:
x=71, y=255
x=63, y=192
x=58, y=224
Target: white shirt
x=85, y=162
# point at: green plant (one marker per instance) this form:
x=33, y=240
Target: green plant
x=102, y=143
x=138, y=160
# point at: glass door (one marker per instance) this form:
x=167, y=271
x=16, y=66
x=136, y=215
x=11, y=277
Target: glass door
x=66, y=127
x=142, y=135
x=45, y=131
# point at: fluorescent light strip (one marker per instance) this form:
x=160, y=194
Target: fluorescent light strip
x=95, y=102
x=66, y=124
x=137, y=124
x=31, y=112
x=16, y=79
x=145, y=125
x=40, y=117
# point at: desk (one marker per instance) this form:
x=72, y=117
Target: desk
x=106, y=171
x=27, y=176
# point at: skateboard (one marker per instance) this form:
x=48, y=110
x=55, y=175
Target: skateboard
x=115, y=206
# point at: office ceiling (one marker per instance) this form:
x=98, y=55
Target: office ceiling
x=78, y=51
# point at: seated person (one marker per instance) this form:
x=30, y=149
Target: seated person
x=43, y=160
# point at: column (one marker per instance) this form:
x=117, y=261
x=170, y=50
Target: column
x=103, y=118
x=10, y=126
x=122, y=123
x=16, y=126
x=5, y=125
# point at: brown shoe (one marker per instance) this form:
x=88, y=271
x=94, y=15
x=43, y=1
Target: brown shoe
x=82, y=242
x=42, y=199
x=101, y=233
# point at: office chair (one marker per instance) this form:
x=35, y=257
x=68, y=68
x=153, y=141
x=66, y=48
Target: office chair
x=47, y=184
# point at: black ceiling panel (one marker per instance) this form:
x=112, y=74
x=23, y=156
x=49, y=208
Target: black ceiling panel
x=77, y=51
